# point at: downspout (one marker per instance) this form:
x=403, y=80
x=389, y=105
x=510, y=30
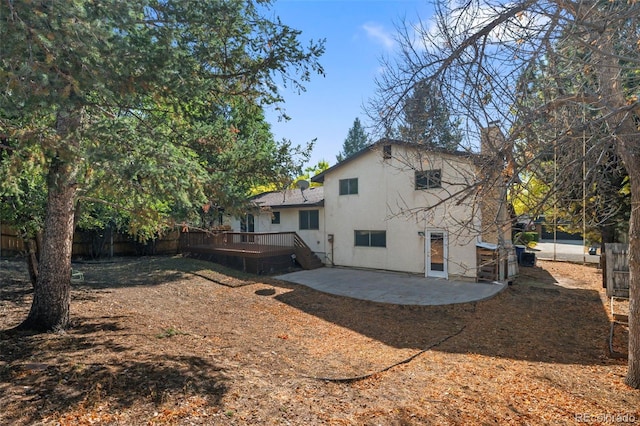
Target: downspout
x=330, y=239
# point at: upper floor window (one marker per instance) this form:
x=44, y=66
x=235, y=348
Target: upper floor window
x=309, y=219
x=348, y=186
x=386, y=151
x=428, y=179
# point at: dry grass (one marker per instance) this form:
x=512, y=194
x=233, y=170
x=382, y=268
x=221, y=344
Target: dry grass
x=178, y=341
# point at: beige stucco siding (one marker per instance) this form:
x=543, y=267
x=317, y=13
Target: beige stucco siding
x=388, y=201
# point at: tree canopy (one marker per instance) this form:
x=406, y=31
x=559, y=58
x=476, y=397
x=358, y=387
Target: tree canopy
x=356, y=140
x=150, y=107
x=426, y=119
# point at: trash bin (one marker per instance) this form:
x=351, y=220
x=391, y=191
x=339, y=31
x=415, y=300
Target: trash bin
x=519, y=251
x=528, y=259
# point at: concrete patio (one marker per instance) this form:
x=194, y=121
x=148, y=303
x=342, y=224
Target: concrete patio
x=391, y=287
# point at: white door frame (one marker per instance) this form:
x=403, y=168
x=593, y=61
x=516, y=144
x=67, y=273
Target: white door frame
x=428, y=272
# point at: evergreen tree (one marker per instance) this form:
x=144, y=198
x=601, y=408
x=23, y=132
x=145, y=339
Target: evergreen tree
x=357, y=139
x=151, y=106
x=426, y=119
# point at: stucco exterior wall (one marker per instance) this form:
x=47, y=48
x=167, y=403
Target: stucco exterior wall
x=388, y=201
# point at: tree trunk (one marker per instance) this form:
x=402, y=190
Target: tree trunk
x=51, y=298
x=633, y=372
x=52, y=294
x=629, y=151
x=608, y=234
x=624, y=131
x=32, y=260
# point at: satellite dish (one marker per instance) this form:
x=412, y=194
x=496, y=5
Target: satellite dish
x=302, y=184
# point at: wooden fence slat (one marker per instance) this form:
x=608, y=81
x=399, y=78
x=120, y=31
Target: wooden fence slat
x=617, y=264
x=123, y=245
x=10, y=242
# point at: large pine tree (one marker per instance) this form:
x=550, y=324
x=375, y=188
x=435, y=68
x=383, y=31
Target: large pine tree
x=159, y=100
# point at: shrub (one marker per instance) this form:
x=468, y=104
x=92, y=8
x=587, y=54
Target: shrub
x=525, y=238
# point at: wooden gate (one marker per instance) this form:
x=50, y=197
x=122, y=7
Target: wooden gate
x=617, y=264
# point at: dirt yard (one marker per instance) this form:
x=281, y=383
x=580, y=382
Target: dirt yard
x=163, y=340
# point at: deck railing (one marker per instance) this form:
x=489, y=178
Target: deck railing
x=262, y=242
x=259, y=252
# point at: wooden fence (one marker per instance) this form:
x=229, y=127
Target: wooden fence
x=617, y=270
x=10, y=243
x=91, y=244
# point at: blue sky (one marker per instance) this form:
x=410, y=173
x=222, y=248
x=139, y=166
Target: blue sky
x=358, y=33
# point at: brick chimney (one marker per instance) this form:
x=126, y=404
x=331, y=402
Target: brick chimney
x=493, y=170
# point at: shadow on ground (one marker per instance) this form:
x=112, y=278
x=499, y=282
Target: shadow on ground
x=132, y=272
x=155, y=270
x=533, y=319
x=38, y=380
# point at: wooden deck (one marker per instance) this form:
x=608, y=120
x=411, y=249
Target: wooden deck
x=244, y=249
x=252, y=252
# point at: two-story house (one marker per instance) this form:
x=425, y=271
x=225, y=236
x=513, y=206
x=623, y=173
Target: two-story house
x=398, y=207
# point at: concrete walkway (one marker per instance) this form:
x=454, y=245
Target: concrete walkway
x=564, y=250
x=390, y=287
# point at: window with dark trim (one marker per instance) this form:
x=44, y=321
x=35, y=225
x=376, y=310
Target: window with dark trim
x=275, y=218
x=348, y=186
x=309, y=219
x=370, y=238
x=428, y=179
x=386, y=151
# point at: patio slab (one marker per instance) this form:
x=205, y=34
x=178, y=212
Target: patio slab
x=392, y=287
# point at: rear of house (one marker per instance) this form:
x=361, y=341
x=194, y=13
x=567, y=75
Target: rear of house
x=396, y=208
x=400, y=207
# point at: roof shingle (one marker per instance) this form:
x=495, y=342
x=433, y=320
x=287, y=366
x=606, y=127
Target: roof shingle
x=290, y=198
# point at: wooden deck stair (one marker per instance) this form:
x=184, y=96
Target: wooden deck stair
x=304, y=256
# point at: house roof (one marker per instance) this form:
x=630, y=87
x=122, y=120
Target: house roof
x=320, y=177
x=291, y=198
